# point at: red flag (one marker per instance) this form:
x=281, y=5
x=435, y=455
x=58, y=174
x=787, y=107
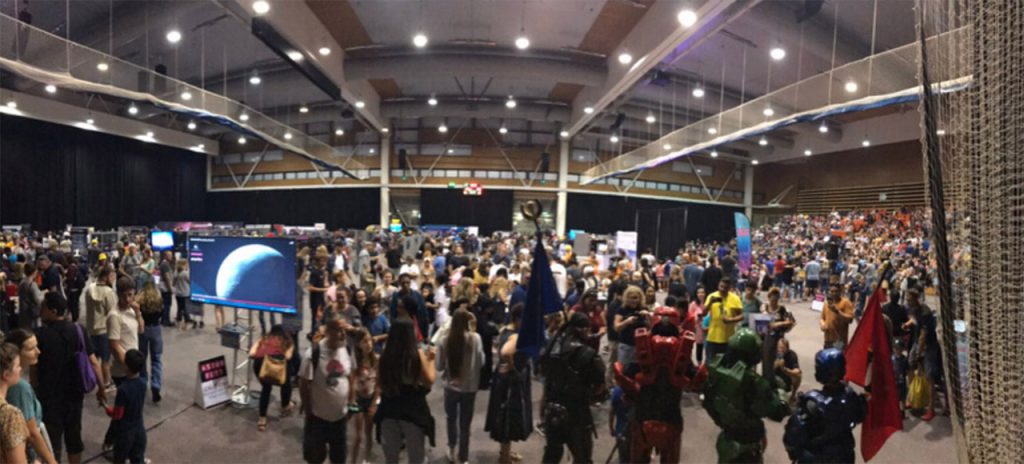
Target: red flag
x=867, y=354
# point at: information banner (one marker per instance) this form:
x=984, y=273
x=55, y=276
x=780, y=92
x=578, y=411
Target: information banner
x=212, y=386
x=743, y=242
x=625, y=243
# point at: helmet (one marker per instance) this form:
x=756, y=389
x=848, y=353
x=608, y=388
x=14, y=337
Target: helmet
x=829, y=366
x=745, y=345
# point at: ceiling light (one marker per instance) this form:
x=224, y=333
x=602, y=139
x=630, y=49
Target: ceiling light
x=865, y=143
x=940, y=132
x=90, y=121
x=667, y=146
x=511, y=103
x=360, y=104
x=244, y=116
x=241, y=140
x=174, y=36
x=698, y=92
x=625, y=58
x=149, y=134
x=564, y=134
x=823, y=128
x=850, y=86
x=303, y=109
x=50, y=88
x=261, y=7
x=133, y=110
x=339, y=132
x=588, y=110
x=503, y=130
x=808, y=152
x=763, y=142
x=754, y=162
x=522, y=43
x=451, y=151
x=296, y=56
x=614, y=139
x=442, y=128
x=191, y=125
x=255, y=79
x=419, y=40
x=712, y=130
x=714, y=153
x=287, y=135
x=777, y=53
x=102, y=66
x=12, y=104
x=385, y=130
x=373, y=150
x=768, y=112
x=687, y=17
x=432, y=101
x=650, y=119
x=186, y=95
x=324, y=51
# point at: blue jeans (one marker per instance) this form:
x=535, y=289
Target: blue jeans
x=458, y=407
x=151, y=345
x=626, y=354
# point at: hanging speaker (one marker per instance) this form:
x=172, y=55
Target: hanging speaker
x=403, y=160
x=619, y=119
x=545, y=161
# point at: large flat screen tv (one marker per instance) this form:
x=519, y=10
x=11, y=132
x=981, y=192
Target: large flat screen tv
x=243, y=272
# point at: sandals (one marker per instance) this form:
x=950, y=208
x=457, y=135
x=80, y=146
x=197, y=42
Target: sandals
x=516, y=457
x=288, y=410
x=262, y=424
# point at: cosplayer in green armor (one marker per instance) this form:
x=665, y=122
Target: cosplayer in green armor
x=737, y=397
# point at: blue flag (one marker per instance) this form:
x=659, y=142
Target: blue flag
x=743, y=241
x=541, y=299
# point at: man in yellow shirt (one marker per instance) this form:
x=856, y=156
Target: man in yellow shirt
x=726, y=311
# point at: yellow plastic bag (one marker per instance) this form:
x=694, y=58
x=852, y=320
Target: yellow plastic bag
x=919, y=390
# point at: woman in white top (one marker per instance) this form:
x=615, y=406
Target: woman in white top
x=460, y=356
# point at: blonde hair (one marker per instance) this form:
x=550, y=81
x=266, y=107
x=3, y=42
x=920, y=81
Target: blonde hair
x=633, y=289
x=464, y=289
x=149, y=299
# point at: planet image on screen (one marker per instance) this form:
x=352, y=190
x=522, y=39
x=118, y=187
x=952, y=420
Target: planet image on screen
x=252, y=273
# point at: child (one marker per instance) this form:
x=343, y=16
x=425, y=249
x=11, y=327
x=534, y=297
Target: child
x=618, y=423
x=378, y=324
x=364, y=381
x=128, y=428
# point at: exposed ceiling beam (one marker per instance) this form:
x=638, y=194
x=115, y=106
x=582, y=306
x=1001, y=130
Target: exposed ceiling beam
x=441, y=66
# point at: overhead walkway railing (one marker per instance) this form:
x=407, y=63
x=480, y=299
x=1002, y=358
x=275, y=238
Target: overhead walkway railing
x=884, y=79
x=40, y=58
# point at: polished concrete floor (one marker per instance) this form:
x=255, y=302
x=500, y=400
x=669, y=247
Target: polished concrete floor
x=180, y=432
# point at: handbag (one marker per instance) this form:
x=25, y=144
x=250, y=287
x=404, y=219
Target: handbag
x=919, y=391
x=274, y=370
x=87, y=376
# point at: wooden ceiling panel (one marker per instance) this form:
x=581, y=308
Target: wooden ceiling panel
x=564, y=93
x=386, y=88
x=344, y=25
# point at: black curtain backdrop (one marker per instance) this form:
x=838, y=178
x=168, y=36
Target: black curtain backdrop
x=491, y=211
x=605, y=214
x=336, y=207
x=53, y=175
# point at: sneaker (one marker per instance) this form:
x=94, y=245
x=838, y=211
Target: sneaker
x=156, y=396
x=108, y=449
x=540, y=429
x=928, y=416
x=451, y=454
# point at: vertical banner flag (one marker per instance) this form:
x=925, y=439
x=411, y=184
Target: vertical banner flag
x=541, y=299
x=743, y=241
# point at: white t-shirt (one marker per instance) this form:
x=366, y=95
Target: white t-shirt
x=123, y=327
x=329, y=384
x=414, y=273
x=558, y=271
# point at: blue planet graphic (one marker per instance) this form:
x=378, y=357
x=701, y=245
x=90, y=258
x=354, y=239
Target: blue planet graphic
x=255, y=273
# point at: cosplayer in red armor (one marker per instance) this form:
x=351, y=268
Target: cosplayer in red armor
x=654, y=386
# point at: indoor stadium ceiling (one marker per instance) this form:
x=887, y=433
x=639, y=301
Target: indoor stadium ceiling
x=473, y=60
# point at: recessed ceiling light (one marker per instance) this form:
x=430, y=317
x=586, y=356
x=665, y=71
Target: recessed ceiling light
x=614, y=139
x=303, y=109
x=339, y=132
x=432, y=101
x=667, y=146
x=865, y=143
x=261, y=7
x=698, y=92
x=442, y=128
x=385, y=130
x=373, y=150
x=754, y=162
x=186, y=95
x=244, y=117
x=564, y=134
x=522, y=43
x=191, y=125
x=90, y=121
x=451, y=151
x=687, y=17
x=241, y=140
x=777, y=53
x=650, y=119
x=50, y=88
x=823, y=128
x=287, y=135
x=625, y=58
x=295, y=55
x=808, y=152
x=850, y=86
x=102, y=66
x=763, y=142
x=12, y=104
x=255, y=79
x=712, y=130
x=940, y=132
x=324, y=51
x=714, y=153
x=133, y=110
x=419, y=40
x=510, y=103
x=360, y=104
x=503, y=130
x=768, y=112
x=588, y=110
x=174, y=36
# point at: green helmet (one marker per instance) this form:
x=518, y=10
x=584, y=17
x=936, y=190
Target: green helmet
x=746, y=346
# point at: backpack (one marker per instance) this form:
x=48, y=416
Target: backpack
x=86, y=375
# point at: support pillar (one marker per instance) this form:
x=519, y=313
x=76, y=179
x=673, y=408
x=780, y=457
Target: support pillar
x=748, y=192
x=563, y=183
x=385, y=180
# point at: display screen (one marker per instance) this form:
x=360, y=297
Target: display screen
x=161, y=240
x=244, y=272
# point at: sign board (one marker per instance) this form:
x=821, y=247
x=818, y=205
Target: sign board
x=320, y=226
x=581, y=244
x=819, y=303
x=625, y=243
x=212, y=386
x=473, y=230
x=759, y=323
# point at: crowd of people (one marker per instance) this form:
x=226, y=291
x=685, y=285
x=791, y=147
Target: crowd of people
x=391, y=316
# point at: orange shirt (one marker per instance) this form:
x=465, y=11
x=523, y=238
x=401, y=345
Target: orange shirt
x=836, y=320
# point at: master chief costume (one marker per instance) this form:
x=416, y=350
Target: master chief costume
x=821, y=429
x=737, y=397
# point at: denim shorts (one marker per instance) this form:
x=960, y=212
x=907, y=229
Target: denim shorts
x=101, y=346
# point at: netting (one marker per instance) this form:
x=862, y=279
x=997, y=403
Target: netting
x=973, y=145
